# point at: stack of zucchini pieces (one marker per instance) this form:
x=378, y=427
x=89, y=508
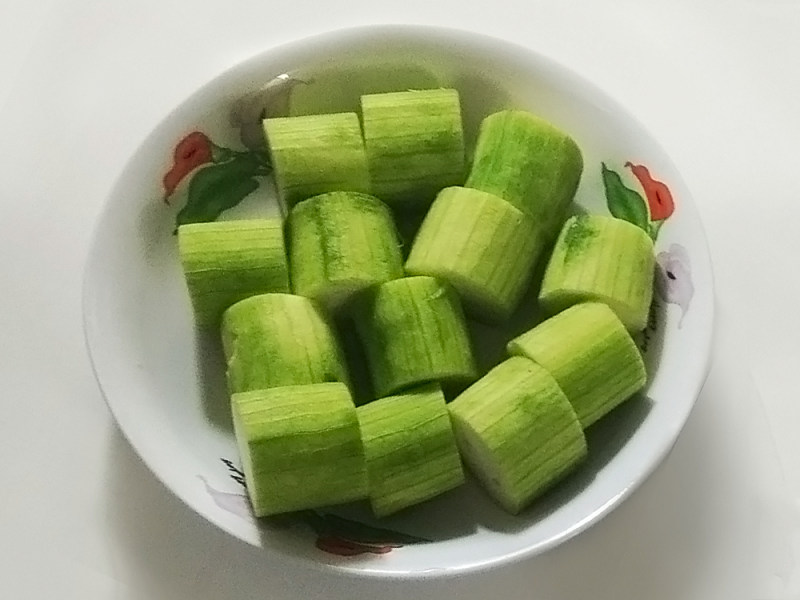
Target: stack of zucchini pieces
x=275, y=289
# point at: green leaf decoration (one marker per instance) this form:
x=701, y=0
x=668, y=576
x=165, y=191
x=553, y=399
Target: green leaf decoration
x=623, y=202
x=332, y=525
x=655, y=227
x=218, y=187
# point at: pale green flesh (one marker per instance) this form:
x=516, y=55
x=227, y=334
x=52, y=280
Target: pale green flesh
x=528, y=162
x=340, y=244
x=604, y=259
x=483, y=246
x=591, y=356
x=517, y=432
x=300, y=446
x=315, y=154
x=227, y=261
x=413, y=331
x=277, y=340
x=414, y=143
x=410, y=449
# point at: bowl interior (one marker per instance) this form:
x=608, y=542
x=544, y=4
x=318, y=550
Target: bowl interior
x=165, y=383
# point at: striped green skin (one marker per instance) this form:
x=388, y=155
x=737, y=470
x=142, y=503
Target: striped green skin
x=413, y=331
x=415, y=144
x=276, y=340
x=517, y=432
x=315, y=154
x=226, y=261
x=340, y=244
x=602, y=259
x=528, y=162
x=300, y=447
x=410, y=449
x=590, y=354
x=483, y=246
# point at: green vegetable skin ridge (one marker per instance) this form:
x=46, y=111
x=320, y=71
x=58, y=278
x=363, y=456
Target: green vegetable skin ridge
x=300, y=447
x=342, y=243
x=275, y=340
x=590, y=354
x=227, y=261
x=414, y=143
x=517, y=432
x=315, y=154
x=410, y=449
x=482, y=245
x=528, y=162
x=413, y=331
x=603, y=259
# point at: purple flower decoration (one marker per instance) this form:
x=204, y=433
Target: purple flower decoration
x=674, y=278
x=238, y=504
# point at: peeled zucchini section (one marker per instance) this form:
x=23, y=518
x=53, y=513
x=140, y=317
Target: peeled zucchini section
x=342, y=243
x=410, y=449
x=517, y=432
x=300, y=447
x=601, y=259
x=226, y=261
x=482, y=245
x=590, y=354
x=528, y=162
x=275, y=340
x=413, y=332
x=415, y=144
x=315, y=154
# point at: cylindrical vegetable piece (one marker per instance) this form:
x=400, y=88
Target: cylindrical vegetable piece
x=227, y=261
x=315, y=154
x=482, y=245
x=528, y=162
x=410, y=449
x=275, y=340
x=341, y=243
x=517, y=432
x=590, y=354
x=602, y=259
x=415, y=144
x=300, y=447
x=413, y=331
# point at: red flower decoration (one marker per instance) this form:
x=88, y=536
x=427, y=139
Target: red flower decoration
x=659, y=198
x=191, y=152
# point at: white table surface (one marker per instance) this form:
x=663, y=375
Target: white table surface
x=81, y=84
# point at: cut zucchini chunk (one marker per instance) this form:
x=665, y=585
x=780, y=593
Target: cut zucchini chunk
x=300, y=447
x=517, y=432
x=276, y=340
x=591, y=355
x=602, y=259
x=315, y=154
x=528, y=162
x=410, y=449
x=413, y=332
x=227, y=261
x=483, y=246
x=415, y=144
x=340, y=244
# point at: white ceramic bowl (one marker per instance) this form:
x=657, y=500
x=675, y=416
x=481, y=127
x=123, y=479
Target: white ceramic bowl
x=165, y=384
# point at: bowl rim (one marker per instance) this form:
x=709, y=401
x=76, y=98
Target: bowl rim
x=354, y=34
